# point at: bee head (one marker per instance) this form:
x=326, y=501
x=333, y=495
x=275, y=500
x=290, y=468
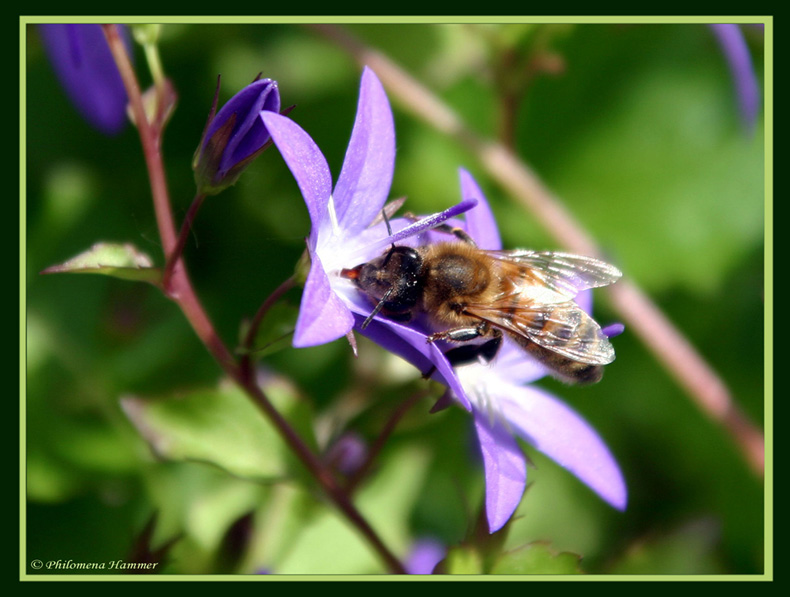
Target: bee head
x=392, y=281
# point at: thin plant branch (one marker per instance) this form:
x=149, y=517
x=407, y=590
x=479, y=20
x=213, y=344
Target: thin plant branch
x=252, y=331
x=184, y=295
x=661, y=337
x=175, y=254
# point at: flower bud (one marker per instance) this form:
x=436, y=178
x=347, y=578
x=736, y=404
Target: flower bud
x=85, y=67
x=234, y=137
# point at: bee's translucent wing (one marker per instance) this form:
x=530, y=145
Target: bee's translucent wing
x=563, y=273
x=563, y=328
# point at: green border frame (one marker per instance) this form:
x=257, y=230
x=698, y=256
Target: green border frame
x=767, y=21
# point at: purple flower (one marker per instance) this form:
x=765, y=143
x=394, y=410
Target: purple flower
x=734, y=47
x=234, y=137
x=505, y=407
x=344, y=231
x=86, y=69
x=344, y=235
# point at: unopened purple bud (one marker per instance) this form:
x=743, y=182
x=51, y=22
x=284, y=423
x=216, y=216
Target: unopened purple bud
x=87, y=71
x=235, y=136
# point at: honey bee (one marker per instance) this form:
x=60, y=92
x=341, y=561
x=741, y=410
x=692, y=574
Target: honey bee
x=472, y=297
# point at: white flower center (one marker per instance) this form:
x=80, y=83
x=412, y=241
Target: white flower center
x=333, y=216
x=484, y=387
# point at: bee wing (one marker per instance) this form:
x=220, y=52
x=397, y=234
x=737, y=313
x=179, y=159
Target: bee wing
x=564, y=328
x=564, y=273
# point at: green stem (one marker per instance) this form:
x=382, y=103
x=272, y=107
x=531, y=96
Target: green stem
x=151, y=50
x=246, y=361
x=175, y=255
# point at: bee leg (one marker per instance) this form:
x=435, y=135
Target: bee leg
x=459, y=233
x=461, y=334
x=490, y=349
x=462, y=354
x=472, y=353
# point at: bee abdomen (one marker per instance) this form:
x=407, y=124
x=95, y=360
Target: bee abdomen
x=566, y=369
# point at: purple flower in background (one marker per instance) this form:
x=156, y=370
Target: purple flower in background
x=86, y=69
x=733, y=45
x=424, y=555
x=347, y=454
x=234, y=136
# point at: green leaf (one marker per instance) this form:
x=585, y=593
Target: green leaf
x=123, y=261
x=220, y=426
x=387, y=502
x=690, y=549
x=537, y=558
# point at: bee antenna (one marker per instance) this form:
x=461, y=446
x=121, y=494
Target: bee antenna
x=386, y=259
x=386, y=222
x=377, y=308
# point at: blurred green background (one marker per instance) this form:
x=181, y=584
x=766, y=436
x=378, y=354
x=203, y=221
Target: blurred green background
x=635, y=127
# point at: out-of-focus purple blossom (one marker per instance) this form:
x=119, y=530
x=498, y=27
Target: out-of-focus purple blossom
x=234, y=136
x=87, y=71
x=344, y=231
x=733, y=45
x=347, y=454
x=424, y=555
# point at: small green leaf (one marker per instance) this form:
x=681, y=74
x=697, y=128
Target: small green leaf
x=537, y=558
x=123, y=261
x=220, y=426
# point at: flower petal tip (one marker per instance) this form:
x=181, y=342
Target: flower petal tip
x=619, y=498
x=612, y=330
x=446, y=401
